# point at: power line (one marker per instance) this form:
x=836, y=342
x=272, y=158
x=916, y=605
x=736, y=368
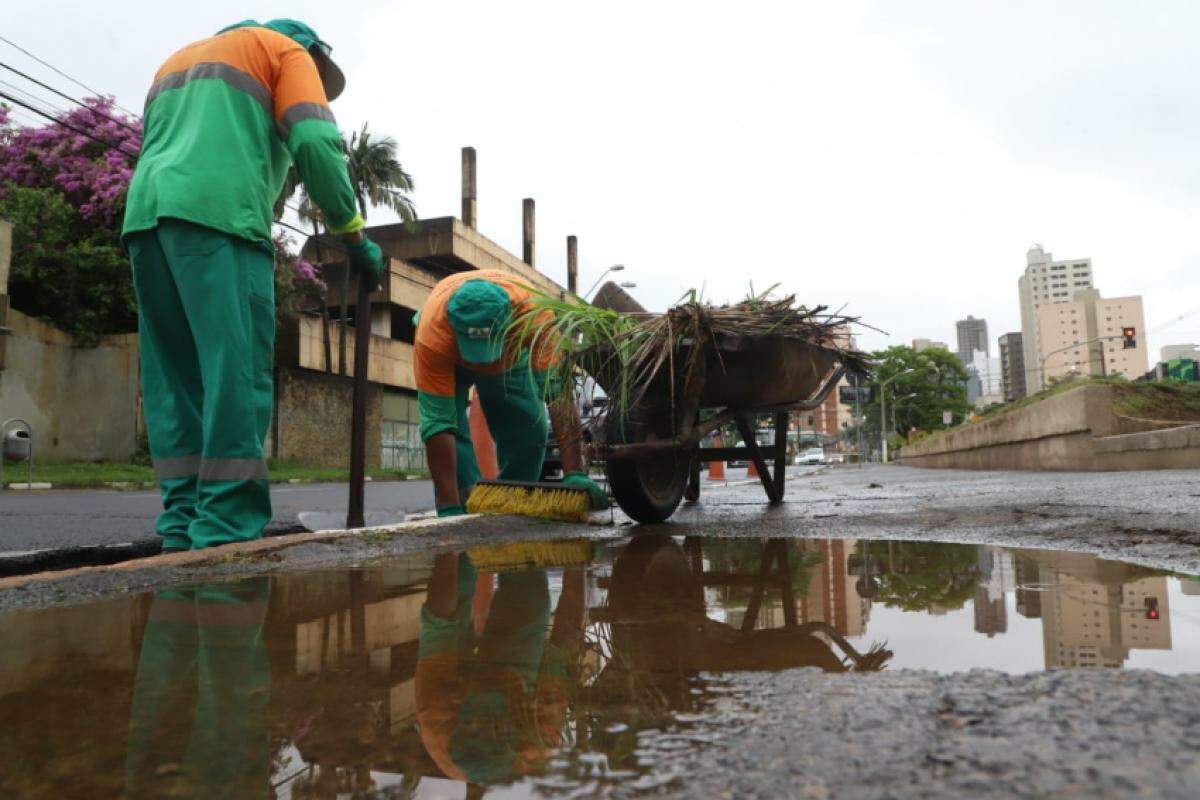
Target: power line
x=69, y=98
x=337, y=246
x=48, y=65
x=299, y=211
x=68, y=126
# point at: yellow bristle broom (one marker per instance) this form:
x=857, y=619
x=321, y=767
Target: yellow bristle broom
x=516, y=555
x=546, y=500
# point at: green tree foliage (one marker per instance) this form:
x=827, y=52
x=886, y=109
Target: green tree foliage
x=919, y=576
x=66, y=270
x=376, y=174
x=937, y=382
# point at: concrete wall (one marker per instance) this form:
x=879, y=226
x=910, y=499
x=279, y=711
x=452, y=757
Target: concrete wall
x=81, y=401
x=312, y=419
x=1075, y=430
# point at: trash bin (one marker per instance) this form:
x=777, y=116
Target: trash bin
x=17, y=445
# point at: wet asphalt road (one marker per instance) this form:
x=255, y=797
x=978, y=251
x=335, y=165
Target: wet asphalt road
x=62, y=519
x=51, y=520
x=901, y=733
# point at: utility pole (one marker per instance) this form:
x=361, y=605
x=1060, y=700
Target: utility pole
x=573, y=264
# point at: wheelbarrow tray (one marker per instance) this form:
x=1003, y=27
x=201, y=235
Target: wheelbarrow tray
x=739, y=372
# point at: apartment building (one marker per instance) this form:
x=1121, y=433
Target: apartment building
x=1012, y=367
x=1069, y=332
x=1046, y=282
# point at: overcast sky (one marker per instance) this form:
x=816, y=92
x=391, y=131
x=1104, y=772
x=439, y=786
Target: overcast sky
x=897, y=158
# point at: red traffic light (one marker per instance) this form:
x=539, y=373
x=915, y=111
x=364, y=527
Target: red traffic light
x=1130, y=334
x=1151, y=608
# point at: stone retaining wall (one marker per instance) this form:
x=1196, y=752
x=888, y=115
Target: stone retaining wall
x=1077, y=430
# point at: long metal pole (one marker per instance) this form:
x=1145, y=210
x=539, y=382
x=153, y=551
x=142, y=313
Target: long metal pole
x=358, y=411
x=882, y=421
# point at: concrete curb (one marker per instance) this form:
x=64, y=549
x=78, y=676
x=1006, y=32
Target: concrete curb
x=230, y=551
x=25, y=487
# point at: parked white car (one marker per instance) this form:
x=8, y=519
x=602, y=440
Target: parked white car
x=813, y=455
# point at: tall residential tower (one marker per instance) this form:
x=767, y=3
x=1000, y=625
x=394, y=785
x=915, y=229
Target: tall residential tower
x=1046, y=281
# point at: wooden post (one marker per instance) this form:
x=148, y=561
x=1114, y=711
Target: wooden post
x=527, y=230
x=573, y=264
x=469, y=187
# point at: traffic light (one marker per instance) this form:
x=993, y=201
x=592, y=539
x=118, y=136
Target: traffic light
x=1130, y=341
x=1151, y=608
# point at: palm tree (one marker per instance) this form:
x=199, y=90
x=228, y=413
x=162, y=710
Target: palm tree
x=378, y=179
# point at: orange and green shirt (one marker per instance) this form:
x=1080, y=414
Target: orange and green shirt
x=436, y=357
x=223, y=120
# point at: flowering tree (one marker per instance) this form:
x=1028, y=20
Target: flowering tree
x=65, y=195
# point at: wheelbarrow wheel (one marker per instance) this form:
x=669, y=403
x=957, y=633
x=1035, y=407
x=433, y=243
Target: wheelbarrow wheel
x=648, y=489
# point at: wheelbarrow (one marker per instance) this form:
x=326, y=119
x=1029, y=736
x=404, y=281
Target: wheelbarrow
x=652, y=450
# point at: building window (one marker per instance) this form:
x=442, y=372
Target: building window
x=400, y=434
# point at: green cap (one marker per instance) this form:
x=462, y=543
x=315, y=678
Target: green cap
x=331, y=75
x=478, y=312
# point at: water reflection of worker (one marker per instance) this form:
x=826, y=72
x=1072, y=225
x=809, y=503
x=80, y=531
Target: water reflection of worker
x=491, y=705
x=199, y=722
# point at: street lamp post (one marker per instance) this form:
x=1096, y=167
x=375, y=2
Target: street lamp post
x=613, y=268
x=883, y=412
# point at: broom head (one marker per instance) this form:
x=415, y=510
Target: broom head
x=546, y=500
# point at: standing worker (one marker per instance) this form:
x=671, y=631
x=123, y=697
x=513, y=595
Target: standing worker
x=223, y=120
x=460, y=343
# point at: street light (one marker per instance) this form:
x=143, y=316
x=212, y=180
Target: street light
x=896, y=402
x=883, y=411
x=613, y=268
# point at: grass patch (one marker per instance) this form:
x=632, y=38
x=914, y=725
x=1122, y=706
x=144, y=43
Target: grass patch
x=98, y=474
x=1170, y=400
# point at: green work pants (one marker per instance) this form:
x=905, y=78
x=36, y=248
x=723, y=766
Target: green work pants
x=206, y=319
x=516, y=416
x=201, y=695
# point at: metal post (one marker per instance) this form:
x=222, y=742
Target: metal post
x=358, y=411
x=527, y=237
x=469, y=188
x=882, y=422
x=573, y=264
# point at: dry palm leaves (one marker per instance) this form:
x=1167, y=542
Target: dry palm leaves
x=627, y=352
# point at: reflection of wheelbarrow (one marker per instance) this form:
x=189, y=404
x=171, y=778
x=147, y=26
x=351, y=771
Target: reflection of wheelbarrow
x=656, y=609
x=652, y=450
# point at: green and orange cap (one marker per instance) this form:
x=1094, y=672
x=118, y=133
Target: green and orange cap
x=478, y=311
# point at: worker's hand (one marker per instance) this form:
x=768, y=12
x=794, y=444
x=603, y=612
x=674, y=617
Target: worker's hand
x=366, y=259
x=579, y=480
x=451, y=511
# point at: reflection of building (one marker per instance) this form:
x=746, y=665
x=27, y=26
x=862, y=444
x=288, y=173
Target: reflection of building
x=990, y=615
x=1087, y=622
x=832, y=595
x=1029, y=595
x=996, y=579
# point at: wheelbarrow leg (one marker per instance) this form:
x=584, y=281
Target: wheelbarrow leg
x=781, y=432
x=746, y=429
x=692, y=493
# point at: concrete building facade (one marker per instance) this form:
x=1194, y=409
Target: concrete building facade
x=925, y=344
x=972, y=335
x=1068, y=331
x=1045, y=281
x=1012, y=367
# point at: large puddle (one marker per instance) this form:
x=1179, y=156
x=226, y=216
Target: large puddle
x=547, y=669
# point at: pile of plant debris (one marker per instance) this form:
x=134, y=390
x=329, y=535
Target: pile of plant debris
x=632, y=349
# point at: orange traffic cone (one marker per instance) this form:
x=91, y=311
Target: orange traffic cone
x=481, y=438
x=716, y=469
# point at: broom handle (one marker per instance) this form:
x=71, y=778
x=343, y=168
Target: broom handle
x=358, y=410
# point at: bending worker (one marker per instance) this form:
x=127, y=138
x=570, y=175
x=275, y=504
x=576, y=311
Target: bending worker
x=223, y=120
x=460, y=343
